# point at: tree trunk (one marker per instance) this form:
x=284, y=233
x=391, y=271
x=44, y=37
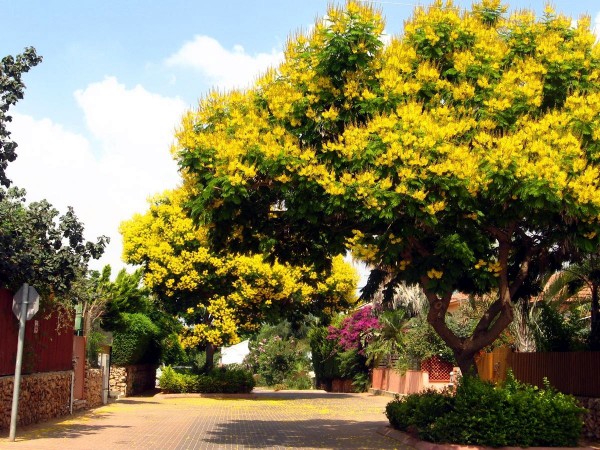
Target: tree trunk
x=210, y=358
x=466, y=362
x=497, y=317
x=87, y=322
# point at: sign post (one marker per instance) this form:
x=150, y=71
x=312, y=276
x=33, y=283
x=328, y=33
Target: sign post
x=26, y=303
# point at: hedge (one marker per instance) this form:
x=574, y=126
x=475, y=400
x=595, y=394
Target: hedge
x=135, y=342
x=218, y=381
x=479, y=413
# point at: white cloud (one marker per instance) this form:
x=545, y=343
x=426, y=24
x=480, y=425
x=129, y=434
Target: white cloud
x=223, y=68
x=596, y=26
x=108, y=178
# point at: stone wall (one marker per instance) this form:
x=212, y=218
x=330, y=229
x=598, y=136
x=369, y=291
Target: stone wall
x=141, y=378
x=591, y=427
x=118, y=381
x=43, y=396
x=92, y=388
x=131, y=380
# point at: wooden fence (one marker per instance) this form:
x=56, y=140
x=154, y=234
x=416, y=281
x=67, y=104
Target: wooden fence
x=575, y=373
x=48, y=346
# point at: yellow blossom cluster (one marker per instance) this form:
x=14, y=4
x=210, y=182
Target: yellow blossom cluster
x=474, y=115
x=221, y=330
x=232, y=293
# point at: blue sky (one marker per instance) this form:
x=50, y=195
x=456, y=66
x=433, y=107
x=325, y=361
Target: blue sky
x=97, y=121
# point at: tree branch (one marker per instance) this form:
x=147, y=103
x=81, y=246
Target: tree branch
x=486, y=320
x=438, y=307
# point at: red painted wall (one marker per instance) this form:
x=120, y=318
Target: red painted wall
x=47, y=348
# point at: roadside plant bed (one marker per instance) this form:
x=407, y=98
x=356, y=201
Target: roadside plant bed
x=479, y=413
x=218, y=381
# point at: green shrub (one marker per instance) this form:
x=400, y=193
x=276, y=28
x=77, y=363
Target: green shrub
x=135, y=341
x=416, y=412
x=277, y=360
x=176, y=382
x=219, y=381
x=172, y=351
x=331, y=362
x=92, y=346
x=478, y=416
x=299, y=381
x=325, y=360
x=231, y=379
x=481, y=414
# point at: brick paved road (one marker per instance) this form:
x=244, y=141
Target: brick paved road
x=309, y=419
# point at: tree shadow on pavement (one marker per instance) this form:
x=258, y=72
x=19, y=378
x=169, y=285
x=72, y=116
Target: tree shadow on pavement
x=62, y=431
x=313, y=433
x=135, y=401
x=300, y=395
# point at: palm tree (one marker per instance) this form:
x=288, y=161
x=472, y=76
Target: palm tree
x=584, y=279
x=551, y=321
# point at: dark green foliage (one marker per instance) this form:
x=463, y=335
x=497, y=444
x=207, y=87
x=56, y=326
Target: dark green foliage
x=277, y=360
x=279, y=356
x=11, y=91
x=325, y=362
x=92, y=346
x=353, y=366
x=136, y=342
x=416, y=412
x=230, y=380
x=560, y=331
x=481, y=414
x=421, y=342
x=197, y=360
x=41, y=248
x=115, y=302
x=126, y=294
x=331, y=362
x=172, y=351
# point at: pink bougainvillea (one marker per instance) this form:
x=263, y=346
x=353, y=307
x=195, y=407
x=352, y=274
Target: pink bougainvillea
x=355, y=330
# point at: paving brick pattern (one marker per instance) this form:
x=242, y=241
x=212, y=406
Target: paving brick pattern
x=264, y=420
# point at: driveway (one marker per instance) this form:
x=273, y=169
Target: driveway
x=262, y=420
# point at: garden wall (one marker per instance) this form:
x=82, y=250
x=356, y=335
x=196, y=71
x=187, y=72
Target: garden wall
x=592, y=418
x=43, y=396
x=434, y=374
x=93, y=388
x=131, y=380
x=387, y=380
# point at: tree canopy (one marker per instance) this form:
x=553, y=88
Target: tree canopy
x=221, y=296
x=11, y=91
x=36, y=245
x=463, y=155
x=40, y=247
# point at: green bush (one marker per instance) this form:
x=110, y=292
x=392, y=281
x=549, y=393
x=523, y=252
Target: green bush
x=417, y=412
x=172, y=352
x=135, y=341
x=330, y=362
x=481, y=414
x=278, y=361
x=92, y=346
x=298, y=381
x=325, y=360
x=220, y=381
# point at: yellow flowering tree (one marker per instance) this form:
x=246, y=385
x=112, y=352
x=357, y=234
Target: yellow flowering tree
x=219, y=296
x=464, y=155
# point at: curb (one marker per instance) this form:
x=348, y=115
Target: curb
x=418, y=444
